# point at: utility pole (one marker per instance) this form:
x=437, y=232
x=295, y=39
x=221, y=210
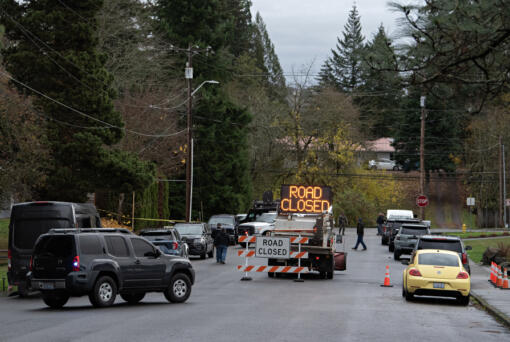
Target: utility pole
x=422, y=153
x=501, y=200
x=504, y=186
x=188, y=73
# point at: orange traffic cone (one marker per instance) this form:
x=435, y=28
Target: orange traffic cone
x=387, y=278
x=505, y=280
x=500, y=278
x=492, y=279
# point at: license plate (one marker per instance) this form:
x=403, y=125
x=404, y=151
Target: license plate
x=46, y=286
x=439, y=285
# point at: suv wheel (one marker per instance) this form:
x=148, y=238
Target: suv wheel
x=104, y=292
x=133, y=298
x=396, y=255
x=179, y=289
x=55, y=300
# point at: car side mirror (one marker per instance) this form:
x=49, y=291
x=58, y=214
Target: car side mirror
x=405, y=262
x=468, y=248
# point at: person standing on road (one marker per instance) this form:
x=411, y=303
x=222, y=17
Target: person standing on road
x=221, y=241
x=380, y=222
x=342, y=222
x=360, y=232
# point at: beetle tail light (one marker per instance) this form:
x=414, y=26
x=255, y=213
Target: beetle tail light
x=463, y=275
x=414, y=272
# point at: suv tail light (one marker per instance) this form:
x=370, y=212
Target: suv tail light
x=31, y=264
x=462, y=275
x=384, y=229
x=9, y=260
x=76, y=263
x=414, y=272
x=397, y=237
x=464, y=258
x=175, y=245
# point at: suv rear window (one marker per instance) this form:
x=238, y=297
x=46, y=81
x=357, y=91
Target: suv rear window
x=411, y=231
x=448, y=245
x=437, y=259
x=26, y=231
x=116, y=246
x=90, y=245
x=58, y=246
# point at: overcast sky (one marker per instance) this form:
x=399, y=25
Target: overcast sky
x=306, y=30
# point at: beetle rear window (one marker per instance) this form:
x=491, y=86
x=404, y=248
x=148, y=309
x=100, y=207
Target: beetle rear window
x=437, y=259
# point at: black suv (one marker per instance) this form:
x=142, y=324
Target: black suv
x=228, y=222
x=102, y=263
x=449, y=243
x=198, y=237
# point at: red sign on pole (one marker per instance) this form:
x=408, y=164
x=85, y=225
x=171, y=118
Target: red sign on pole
x=422, y=201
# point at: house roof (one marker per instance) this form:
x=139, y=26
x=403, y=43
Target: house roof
x=380, y=145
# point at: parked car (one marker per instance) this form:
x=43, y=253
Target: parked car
x=102, y=263
x=383, y=164
x=240, y=217
x=391, y=228
x=31, y=220
x=449, y=243
x=228, y=222
x=263, y=225
x=432, y=272
x=198, y=237
x=407, y=237
x=167, y=239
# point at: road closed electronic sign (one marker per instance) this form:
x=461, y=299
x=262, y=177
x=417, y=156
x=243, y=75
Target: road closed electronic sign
x=305, y=199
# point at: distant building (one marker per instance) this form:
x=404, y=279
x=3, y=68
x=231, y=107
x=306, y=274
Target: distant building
x=376, y=149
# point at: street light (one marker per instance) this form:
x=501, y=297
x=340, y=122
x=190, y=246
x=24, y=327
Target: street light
x=189, y=163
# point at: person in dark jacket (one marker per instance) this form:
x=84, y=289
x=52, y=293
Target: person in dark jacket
x=380, y=222
x=342, y=222
x=221, y=242
x=360, y=231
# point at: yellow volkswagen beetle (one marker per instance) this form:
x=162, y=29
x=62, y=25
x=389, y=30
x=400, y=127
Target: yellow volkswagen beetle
x=433, y=272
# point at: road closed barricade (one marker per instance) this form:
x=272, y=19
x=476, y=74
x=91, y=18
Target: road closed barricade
x=274, y=248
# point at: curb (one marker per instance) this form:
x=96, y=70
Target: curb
x=504, y=319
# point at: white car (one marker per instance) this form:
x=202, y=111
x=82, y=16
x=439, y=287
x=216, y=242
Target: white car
x=383, y=164
x=263, y=225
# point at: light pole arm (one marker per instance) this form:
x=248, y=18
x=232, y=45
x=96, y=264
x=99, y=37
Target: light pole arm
x=201, y=84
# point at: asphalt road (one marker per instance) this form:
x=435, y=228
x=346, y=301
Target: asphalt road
x=351, y=307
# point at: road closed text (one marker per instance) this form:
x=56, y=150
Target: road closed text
x=305, y=199
x=271, y=247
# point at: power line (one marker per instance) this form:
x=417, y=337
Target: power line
x=87, y=115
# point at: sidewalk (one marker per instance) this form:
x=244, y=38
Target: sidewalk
x=494, y=300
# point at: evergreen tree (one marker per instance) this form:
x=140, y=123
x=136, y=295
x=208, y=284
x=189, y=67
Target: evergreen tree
x=343, y=69
x=267, y=59
x=53, y=50
x=381, y=89
x=444, y=133
x=221, y=174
